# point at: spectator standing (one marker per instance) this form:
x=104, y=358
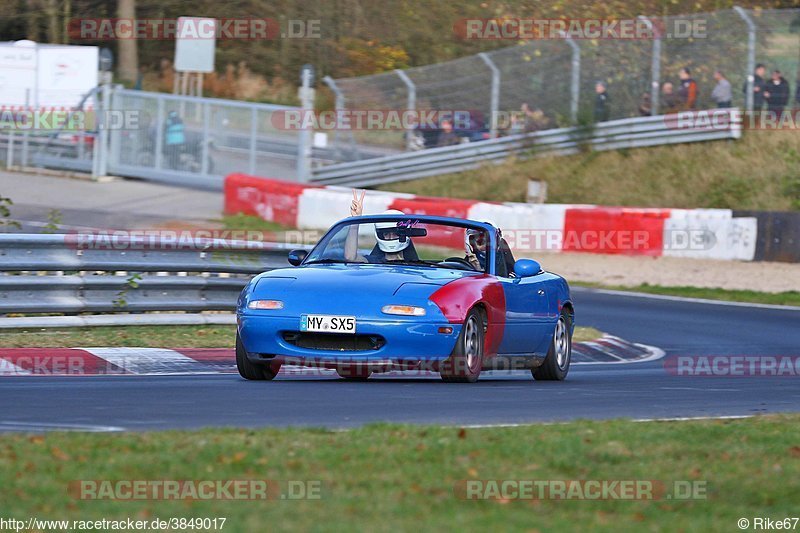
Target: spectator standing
x=447, y=137
x=174, y=138
x=777, y=93
x=759, y=87
x=722, y=93
x=601, y=110
x=669, y=100
x=687, y=92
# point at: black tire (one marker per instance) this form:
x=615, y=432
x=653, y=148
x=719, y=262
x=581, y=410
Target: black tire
x=556, y=365
x=250, y=371
x=464, y=364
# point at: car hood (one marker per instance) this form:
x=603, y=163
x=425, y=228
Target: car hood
x=335, y=281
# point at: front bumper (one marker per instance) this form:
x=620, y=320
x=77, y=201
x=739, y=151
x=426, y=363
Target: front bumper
x=406, y=341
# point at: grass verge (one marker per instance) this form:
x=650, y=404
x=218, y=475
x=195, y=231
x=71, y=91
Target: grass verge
x=710, y=174
x=390, y=477
x=777, y=298
x=151, y=337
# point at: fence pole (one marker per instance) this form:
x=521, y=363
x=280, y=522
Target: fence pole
x=102, y=167
x=206, y=141
x=253, y=134
x=494, y=103
x=10, y=150
x=411, y=105
x=339, y=107
x=575, y=83
x=306, y=93
x=655, y=67
x=157, y=160
x=751, y=55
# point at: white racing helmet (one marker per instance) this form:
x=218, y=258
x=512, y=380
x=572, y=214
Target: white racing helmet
x=387, y=235
x=479, y=237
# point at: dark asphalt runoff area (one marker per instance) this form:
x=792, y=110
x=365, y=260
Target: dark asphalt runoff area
x=636, y=390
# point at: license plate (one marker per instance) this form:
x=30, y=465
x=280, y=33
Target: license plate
x=328, y=323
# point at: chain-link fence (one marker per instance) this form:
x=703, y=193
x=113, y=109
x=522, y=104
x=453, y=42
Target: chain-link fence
x=199, y=140
x=557, y=78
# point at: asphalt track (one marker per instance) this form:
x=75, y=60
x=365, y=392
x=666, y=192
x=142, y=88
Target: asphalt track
x=638, y=390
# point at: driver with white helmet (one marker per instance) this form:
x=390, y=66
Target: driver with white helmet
x=475, y=246
x=389, y=246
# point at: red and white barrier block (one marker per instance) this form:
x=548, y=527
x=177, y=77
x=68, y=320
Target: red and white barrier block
x=696, y=233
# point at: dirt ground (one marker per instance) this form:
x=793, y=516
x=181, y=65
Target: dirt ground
x=631, y=271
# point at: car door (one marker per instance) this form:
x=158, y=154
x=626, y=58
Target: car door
x=527, y=322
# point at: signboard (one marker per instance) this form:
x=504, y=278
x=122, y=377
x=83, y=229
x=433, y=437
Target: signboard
x=45, y=76
x=195, y=43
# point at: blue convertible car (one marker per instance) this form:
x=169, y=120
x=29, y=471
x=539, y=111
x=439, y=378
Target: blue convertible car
x=406, y=292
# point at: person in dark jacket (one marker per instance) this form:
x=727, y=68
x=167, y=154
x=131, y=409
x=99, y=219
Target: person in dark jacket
x=687, y=92
x=759, y=86
x=669, y=100
x=601, y=110
x=447, y=137
x=777, y=93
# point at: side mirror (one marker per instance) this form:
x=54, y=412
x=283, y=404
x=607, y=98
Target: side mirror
x=524, y=268
x=296, y=257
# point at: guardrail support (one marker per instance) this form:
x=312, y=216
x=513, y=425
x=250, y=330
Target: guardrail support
x=751, y=55
x=494, y=104
x=655, y=67
x=411, y=105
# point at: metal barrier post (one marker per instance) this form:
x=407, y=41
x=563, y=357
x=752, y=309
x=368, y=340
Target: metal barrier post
x=655, y=67
x=751, y=54
x=494, y=104
x=411, y=105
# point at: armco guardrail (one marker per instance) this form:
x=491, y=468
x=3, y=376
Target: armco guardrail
x=77, y=273
x=612, y=135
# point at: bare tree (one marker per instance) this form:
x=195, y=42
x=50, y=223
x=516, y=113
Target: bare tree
x=127, y=50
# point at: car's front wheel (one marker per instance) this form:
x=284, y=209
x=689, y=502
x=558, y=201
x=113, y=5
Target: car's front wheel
x=556, y=364
x=250, y=371
x=464, y=365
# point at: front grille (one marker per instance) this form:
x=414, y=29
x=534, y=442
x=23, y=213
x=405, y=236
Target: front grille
x=340, y=342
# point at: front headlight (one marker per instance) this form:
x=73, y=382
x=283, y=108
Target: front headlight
x=407, y=310
x=265, y=304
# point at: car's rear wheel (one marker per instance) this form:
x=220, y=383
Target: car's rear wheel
x=249, y=370
x=464, y=364
x=556, y=364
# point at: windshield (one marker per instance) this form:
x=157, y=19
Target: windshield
x=404, y=241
